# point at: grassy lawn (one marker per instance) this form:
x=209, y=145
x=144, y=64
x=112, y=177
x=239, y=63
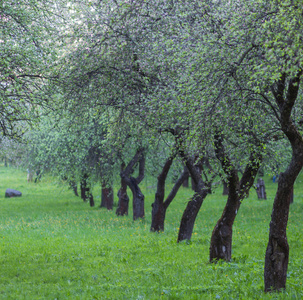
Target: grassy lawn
x=54, y=246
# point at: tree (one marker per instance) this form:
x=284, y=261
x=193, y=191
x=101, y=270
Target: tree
x=202, y=187
x=171, y=64
x=268, y=72
x=26, y=55
x=277, y=252
x=12, y=151
x=133, y=183
x=85, y=190
x=72, y=150
x=160, y=206
x=221, y=240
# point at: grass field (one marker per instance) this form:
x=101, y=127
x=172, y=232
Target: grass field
x=54, y=246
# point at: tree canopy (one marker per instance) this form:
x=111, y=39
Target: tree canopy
x=111, y=81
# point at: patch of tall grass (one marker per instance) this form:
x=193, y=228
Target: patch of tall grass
x=55, y=246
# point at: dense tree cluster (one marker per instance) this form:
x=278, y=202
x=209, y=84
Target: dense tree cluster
x=208, y=88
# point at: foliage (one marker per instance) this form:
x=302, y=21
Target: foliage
x=115, y=76
x=27, y=30
x=12, y=152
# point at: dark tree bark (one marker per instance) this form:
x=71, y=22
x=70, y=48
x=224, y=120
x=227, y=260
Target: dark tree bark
x=123, y=202
x=193, y=206
x=83, y=187
x=193, y=181
x=190, y=214
x=107, y=196
x=138, y=198
x=159, y=207
x=277, y=252
x=186, y=179
x=73, y=186
x=221, y=239
x=193, y=186
x=85, y=190
x=292, y=196
x=206, y=163
x=91, y=200
x=133, y=183
x=225, y=188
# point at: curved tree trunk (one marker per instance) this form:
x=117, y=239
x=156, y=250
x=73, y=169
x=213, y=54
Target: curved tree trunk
x=202, y=189
x=73, y=186
x=186, y=179
x=159, y=207
x=193, y=206
x=84, y=188
x=221, y=239
x=158, y=215
x=138, y=198
x=123, y=202
x=91, y=200
x=190, y=214
x=225, y=188
x=292, y=196
x=133, y=183
x=107, y=197
x=277, y=252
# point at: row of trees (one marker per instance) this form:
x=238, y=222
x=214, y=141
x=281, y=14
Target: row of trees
x=209, y=88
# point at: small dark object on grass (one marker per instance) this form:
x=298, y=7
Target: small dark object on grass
x=12, y=193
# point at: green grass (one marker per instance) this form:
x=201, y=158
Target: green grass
x=54, y=246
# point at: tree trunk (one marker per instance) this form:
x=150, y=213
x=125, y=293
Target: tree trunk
x=193, y=206
x=91, y=200
x=190, y=214
x=225, y=188
x=292, y=196
x=202, y=189
x=138, y=198
x=133, y=183
x=261, y=189
x=73, y=186
x=159, y=207
x=123, y=202
x=107, y=197
x=221, y=239
x=38, y=175
x=85, y=190
x=83, y=187
x=158, y=215
x=277, y=252
x=193, y=185
x=186, y=179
